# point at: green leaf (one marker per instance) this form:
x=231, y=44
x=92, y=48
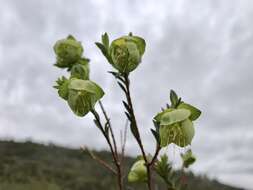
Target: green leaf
x=134, y=130
x=174, y=116
x=156, y=135
x=163, y=167
x=105, y=40
x=173, y=98
x=195, y=112
x=102, y=48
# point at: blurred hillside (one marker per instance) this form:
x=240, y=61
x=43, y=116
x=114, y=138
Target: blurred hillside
x=30, y=166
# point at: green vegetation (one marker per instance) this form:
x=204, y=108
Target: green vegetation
x=173, y=125
x=30, y=166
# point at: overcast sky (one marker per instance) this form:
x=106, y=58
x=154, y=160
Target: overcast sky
x=203, y=49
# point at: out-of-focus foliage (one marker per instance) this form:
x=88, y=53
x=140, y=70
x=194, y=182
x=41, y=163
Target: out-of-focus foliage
x=138, y=172
x=29, y=166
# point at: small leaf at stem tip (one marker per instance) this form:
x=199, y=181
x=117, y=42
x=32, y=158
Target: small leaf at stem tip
x=105, y=40
x=173, y=98
x=134, y=130
x=113, y=73
x=156, y=135
x=102, y=48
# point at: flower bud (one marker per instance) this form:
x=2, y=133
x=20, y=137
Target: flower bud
x=188, y=159
x=126, y=53
x=138, y=172
x=83, y=95
x=80, y=70
x=68, y=51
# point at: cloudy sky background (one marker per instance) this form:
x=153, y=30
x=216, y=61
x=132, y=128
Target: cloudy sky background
x=203, y=49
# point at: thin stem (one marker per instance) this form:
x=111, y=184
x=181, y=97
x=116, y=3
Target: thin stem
x=129, y=101
x=99, y=160
x=123, y=142
x=152, y=162
x=158, y=148
x=110, y=127
x=134, y=123
x=115, y=159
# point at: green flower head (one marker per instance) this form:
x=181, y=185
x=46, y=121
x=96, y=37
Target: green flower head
x=175, y=127
x=138, y=172
x=83, y=95
x=126, y=53
x=176, y=124
x=68, y=51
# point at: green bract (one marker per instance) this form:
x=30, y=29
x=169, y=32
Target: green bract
x=174, y=116
x=80, y=70
x=195, y=113
x=68, y=51
x=62, y=86
x=83, y=94
x=126, y=53
x=175, y=127
x=138, y=172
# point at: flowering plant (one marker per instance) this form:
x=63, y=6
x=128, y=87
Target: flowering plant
x=173, y=125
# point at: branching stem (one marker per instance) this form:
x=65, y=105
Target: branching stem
x=134, y=124
x=115, y=158
x=110, y=128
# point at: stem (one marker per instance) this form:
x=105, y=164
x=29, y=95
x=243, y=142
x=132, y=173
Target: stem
x=152, y=162
x=115, y=158
x=110, y=127
x=99, y=160
x=158, y=148
x=137, y=137
x=123, y=144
